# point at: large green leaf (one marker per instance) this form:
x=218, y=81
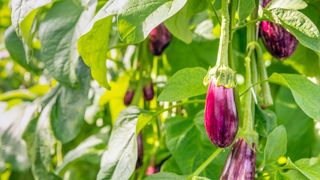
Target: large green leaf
x=310, y=168
x=276, y=145
x=305, y=93
x=59, y=33
x=119, y=160
x=300, y=128
x=185, y=83
x=15, y=47
x=40, y=141
x=138, y=17
x=185, y=138
x=67, y=115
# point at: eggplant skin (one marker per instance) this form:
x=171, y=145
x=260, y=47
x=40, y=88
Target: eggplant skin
x=148, y=91
x=221, y=118
x=241, y=162
x=277, y=40
x=160, y=38
x=128, y=97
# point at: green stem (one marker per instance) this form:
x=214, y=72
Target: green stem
x=246, y=24
x=207, y=162
x=224, y=37
x=247, y=109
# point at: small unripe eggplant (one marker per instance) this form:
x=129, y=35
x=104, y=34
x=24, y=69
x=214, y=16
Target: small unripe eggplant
x=221, y=118
x=152, y=169
x=277, y=40
x=159, y=39
x=241, y=162
x=128, y=97
x=148, y=92
x=140, y=150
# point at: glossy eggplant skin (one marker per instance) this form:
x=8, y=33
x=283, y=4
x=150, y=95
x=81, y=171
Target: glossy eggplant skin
x=128, y=97
x=221, y=118
x=277, y=40
x=241, y=162
x=159, y=39
x=148, y=91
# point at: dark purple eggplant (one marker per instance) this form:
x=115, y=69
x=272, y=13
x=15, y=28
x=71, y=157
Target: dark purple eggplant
x=159, y=39
x=241, y=162
x=148, y=92
x=128, y=97
x=277, y=40
x=221, y=118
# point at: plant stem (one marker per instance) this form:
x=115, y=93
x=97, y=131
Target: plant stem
x=207, y=162
x=224, y=37
x=247, y=109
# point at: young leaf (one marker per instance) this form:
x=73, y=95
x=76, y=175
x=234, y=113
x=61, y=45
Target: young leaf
x=184, y=84
x=287, y=4
x=59, y=33
x=68, y=111
x=266, y=121
x=276, y=145
x=310, y=168
x=305, y=93
x=119, y=160
x=133, y=28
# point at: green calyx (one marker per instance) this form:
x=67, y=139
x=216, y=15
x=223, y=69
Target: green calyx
x=221, y=75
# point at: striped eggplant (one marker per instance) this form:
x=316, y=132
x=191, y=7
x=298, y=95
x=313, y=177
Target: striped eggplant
x=159, y=39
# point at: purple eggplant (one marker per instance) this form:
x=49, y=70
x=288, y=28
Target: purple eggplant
x=128, y=97
x=140, y=150
x=241, y=162
x=221, y=118
x=148, y=92
x=277, y=40
x=159, y=39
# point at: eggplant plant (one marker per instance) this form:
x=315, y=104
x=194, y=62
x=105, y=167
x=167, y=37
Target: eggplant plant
x=166, y=89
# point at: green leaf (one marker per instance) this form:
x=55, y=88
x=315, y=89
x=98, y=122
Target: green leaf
x=185, y=139
x=138, y=17
x=165, y=175
x=266, y=121
x=245, y=8
x=20, y=9
x=276, y=145
x=119, y=160
x=40, y=141
x=12, y=125
x=180, y=56
x=89, y=148
x=143, y=120
x=293, y=174
x=287, y=4
x=296, y=20
x=305, y=93
x=178, y=24
x=300, y=128
x=184, y=84
x=310, y=168
x=15, y=47
x=59, y=33
x=67, y=115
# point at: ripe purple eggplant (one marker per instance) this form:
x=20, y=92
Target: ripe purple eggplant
x=128, y=97
x=159, y=39
x=277, y=40
x=140, y=150
x=221, y=118
x=241, y=162
x=148, y=92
